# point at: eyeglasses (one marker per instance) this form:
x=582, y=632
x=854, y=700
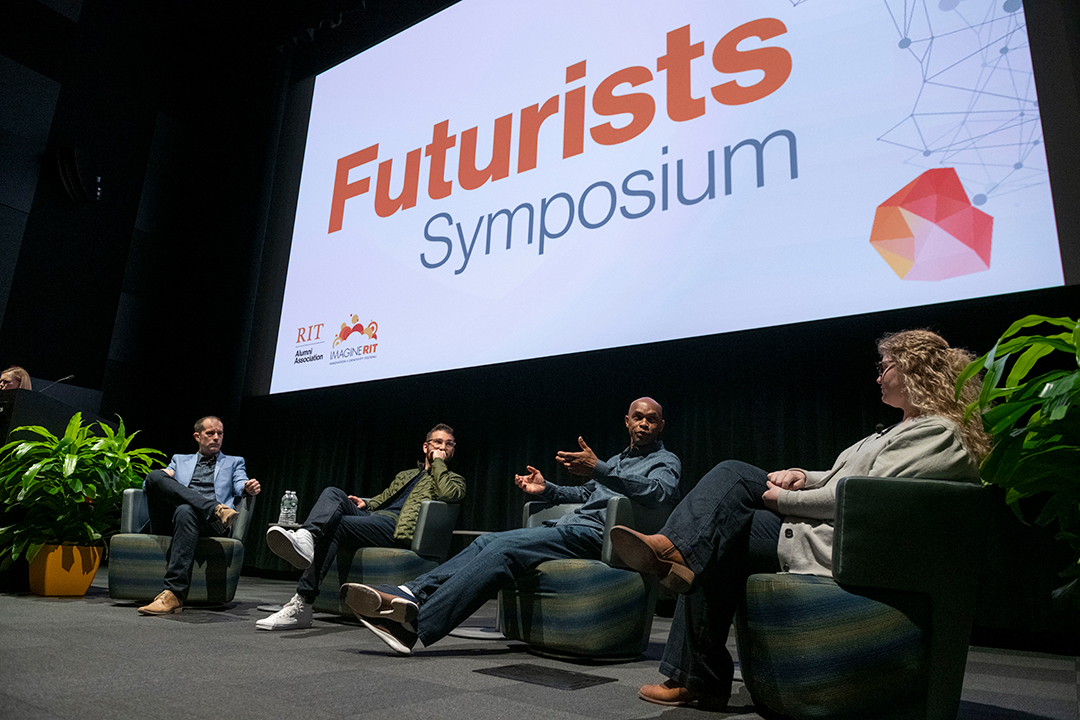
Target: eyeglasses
x=884, y=367
x=448, y=444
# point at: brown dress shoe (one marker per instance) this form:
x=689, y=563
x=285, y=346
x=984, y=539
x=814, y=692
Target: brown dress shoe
x=225, y=515
x=653, y=554
x=164, y=604
x=672, y=693
x=367, y=601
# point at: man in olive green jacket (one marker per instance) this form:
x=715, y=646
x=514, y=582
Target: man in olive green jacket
x=341, y=522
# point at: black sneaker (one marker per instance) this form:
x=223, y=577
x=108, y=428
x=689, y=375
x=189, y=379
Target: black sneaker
x=382, y=602
x=400, y=638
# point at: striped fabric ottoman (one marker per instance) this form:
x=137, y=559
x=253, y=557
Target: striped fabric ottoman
x=137, y=568
x=810, y=649
x=580, y=607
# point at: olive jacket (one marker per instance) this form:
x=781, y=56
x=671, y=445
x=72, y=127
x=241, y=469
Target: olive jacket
x=439, y=483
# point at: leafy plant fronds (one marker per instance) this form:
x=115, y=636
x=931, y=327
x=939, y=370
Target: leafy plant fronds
x=1034, y=419
x=68, y=488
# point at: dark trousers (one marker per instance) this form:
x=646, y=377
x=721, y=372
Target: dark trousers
x=725, y=534
x=452, y=592
x=185, y=514
x=339, y=526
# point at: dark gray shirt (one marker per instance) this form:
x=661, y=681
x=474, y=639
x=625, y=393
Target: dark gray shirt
x=202, y=480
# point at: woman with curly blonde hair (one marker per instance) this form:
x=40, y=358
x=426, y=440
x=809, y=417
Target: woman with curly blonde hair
x=928, y=367
x=740, y=520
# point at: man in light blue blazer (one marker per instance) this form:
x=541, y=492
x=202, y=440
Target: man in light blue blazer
x=194, y=496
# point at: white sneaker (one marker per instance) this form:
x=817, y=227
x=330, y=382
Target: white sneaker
x=297, y=547
x=295, y=615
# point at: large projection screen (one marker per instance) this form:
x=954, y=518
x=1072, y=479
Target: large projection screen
x=516, y=180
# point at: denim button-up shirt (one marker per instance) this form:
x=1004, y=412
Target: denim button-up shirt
x=648, y=475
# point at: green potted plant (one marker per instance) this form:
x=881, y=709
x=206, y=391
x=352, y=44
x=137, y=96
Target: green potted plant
x=61, y=498
x=1034, y=420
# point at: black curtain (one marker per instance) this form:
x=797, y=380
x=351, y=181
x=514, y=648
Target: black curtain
x=780, y=397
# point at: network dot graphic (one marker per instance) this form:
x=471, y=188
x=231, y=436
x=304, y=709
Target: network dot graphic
x=976, y=109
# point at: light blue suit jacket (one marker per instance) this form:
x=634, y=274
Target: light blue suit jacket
x=229, y=475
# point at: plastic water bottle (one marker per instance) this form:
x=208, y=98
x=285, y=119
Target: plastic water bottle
x=283, y=515
x=293, y=502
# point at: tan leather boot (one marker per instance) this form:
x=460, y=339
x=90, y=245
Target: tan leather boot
x=653, y=554
x=672, y=693
x=164, y=604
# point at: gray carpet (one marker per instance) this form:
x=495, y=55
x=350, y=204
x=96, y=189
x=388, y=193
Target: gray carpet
x=90, y=658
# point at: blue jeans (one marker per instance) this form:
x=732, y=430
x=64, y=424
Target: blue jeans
x=452, y=592
x=185, y=514
x=338, y=525
x=725, y=534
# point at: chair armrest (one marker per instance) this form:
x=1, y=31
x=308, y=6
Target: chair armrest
x=246, y=510
x=133, y=512
x=910, y=534
x=624, y=511
x=434, y=529
x=619, y=512
x=536, y=512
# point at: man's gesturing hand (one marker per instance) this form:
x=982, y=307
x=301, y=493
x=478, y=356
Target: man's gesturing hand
x=578, y=463
x=533, y=483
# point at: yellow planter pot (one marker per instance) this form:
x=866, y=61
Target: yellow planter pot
x=64, y=570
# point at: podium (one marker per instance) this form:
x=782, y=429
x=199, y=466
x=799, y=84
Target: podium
x=25, y=407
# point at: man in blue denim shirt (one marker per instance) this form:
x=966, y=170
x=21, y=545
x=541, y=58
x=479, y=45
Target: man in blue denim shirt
x=432, y=605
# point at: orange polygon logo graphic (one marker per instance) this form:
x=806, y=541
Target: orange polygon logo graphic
x=930, y=231
x=356, y=327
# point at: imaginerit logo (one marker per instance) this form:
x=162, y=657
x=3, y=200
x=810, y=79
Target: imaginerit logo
x=356, y=327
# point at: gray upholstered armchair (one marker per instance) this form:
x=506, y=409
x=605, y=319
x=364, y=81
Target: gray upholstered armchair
x=888, y=635
x=137, y=560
